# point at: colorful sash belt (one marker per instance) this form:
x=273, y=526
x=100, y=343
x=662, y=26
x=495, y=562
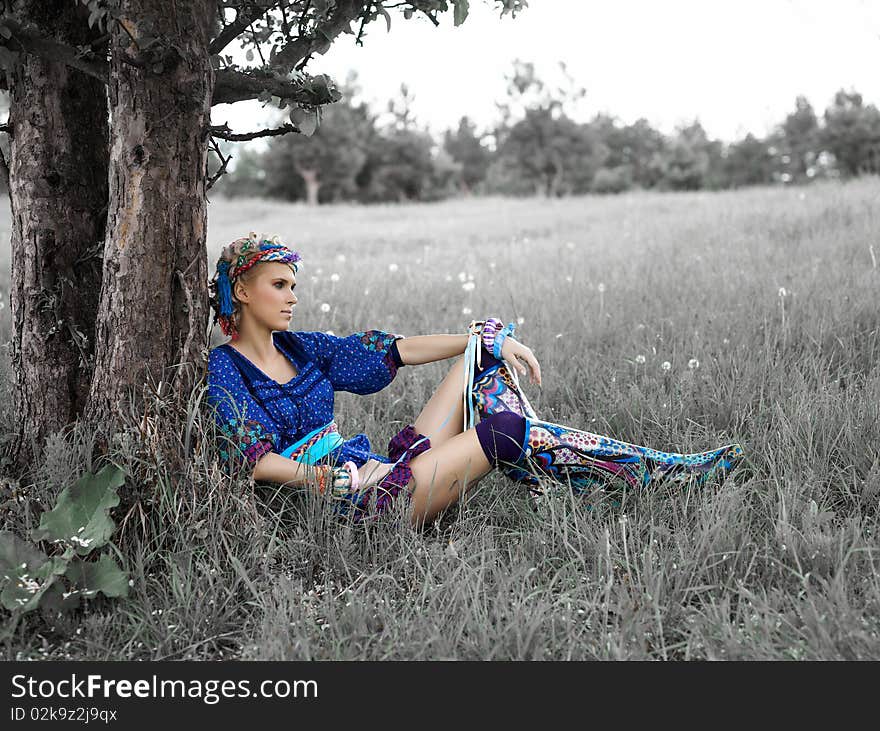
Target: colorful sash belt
x=315, y=445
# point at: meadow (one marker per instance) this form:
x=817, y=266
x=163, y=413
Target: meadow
x=678, y=321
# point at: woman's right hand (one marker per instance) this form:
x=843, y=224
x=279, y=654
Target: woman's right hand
x=372, y=472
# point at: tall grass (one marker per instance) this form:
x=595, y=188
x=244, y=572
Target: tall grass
x=764, y=304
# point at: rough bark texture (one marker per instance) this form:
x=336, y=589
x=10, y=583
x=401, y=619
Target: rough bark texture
x=58, y=195
x=153, y=314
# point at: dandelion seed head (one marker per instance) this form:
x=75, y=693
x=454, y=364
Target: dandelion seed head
x=640, y=359
x=392, y=267
x=334, y=277
x=782, y=292
x=325, y=307
x=520, y=320
x=468, y=286
x=601, y=286
x=666, y=365
x=693, y=363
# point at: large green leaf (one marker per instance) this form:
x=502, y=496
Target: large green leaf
x=26, y=573
x=81, y=517
x=461, y=11
x=102, y=575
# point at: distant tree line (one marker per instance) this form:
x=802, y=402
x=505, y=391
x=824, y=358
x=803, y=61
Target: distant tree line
x=537, y=148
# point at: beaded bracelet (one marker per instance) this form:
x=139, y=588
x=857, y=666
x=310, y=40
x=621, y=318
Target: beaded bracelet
x=500, y=337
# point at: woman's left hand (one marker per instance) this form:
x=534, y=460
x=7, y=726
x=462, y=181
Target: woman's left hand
x=522, y=358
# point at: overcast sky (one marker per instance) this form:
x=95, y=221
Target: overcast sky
x=735, y=65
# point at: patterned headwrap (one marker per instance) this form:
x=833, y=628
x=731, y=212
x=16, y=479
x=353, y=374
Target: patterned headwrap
x=237, y=258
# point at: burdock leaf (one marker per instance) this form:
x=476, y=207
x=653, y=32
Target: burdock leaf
x=81, y=517
x=103, y=575
x=26, y=573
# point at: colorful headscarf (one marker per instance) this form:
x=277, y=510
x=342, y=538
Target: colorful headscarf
x=237, y=258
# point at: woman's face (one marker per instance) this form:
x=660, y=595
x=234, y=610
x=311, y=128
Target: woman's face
x=267, y=297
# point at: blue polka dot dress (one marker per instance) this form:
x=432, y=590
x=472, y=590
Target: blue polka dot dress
x=256, y=414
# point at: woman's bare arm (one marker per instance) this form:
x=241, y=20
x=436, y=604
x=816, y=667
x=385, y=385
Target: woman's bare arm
x=272, y=467
x=419, y=349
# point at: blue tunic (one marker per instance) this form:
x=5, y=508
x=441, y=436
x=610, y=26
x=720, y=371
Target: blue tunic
x=256, y=414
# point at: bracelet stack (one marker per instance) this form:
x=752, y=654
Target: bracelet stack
x=338, y=479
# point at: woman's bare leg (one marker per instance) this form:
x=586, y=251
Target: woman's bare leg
x=441, y=418
x=442, y=474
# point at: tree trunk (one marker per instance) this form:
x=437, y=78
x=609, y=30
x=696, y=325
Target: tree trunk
x=58, y=196
x=313, y=185
x=153, y=311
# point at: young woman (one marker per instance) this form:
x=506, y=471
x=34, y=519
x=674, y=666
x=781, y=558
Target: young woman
x=272, y=391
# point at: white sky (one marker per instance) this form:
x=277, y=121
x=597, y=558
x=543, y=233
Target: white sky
x=737, y=65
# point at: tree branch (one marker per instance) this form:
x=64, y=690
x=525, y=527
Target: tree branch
x=224, y=133
x=243, y=19
x=234, y=86
x=38, y=45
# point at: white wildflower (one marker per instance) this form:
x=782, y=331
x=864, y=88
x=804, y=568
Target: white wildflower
x=366, y=292
x=601, y=286
x=693, y=363
x=520, y=320
x=462, y=277
x=340, y=258
x=568, y=278
x=392, y=267
x=558, y=335
x=325, y=307
x=466, y=311
x=782, y=292
x=569, y=245
x=468, y=286
x=666, y=365
x=640, y=359
x=334, y=277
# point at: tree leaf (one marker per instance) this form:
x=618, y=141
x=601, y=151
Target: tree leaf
x=26, y=573
x=306, y=120
x=103, y=575
x=461, y=11
x=386, y=14
x=81, y=517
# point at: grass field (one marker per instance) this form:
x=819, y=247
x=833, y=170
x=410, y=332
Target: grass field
x=763, y=302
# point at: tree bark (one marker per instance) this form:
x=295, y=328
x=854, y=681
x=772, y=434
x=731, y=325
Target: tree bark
x=58, y=197
x=153, y=310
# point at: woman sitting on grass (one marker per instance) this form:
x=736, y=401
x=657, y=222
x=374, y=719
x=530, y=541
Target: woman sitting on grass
x=273, y=391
